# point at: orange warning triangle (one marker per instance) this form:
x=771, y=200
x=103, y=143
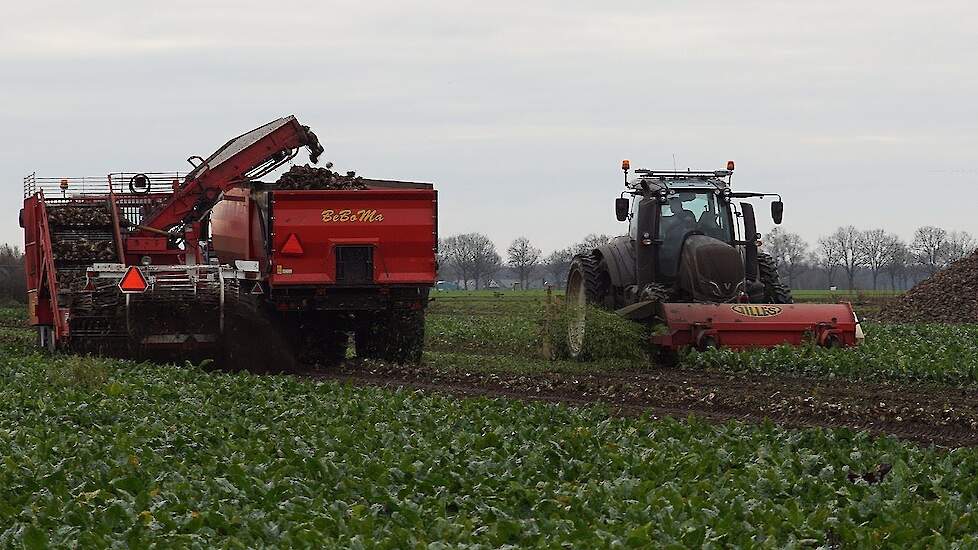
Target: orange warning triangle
x=292, y=245
x=133, y=281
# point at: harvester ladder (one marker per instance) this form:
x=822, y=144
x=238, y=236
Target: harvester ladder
x=49, y=272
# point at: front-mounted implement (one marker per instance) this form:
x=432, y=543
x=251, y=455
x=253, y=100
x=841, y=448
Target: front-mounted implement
x=692, y=265
x=743, y=326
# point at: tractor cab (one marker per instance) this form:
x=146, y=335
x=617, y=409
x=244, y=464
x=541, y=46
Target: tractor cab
x=673, y=214
x=668, y=214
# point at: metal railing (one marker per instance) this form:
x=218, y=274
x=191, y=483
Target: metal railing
x=118, y=182
x=155, y=182
x=135, y=209
x=65, y=187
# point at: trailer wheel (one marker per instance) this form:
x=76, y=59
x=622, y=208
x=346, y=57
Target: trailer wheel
x=258, y=346
x=326, y=349
x=395, y=336
x=775, y=292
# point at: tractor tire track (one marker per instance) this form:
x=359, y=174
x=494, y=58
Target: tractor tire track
x=928, y=414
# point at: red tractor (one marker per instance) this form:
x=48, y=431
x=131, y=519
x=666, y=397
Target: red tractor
x=691, y=264
x=218, y=263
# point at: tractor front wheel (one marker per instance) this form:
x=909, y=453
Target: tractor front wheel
x=775, y=292
x=587, y=284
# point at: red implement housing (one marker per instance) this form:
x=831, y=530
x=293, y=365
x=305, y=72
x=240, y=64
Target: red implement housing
x=385, y=234
x=743, y=326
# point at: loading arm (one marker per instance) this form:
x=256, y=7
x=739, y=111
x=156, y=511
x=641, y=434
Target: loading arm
x=244, y=158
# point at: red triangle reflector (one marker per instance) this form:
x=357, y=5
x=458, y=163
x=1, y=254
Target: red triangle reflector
x=133, y=281
x=292, y=245
x=257, y=289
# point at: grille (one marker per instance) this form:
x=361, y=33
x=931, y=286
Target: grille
x=354, y=264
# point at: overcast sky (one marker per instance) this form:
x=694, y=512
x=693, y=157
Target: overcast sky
x=519, y=112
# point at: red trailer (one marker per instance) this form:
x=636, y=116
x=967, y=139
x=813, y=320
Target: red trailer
x=146, y=264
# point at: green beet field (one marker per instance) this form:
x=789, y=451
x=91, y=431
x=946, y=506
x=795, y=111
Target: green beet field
x=99, y=453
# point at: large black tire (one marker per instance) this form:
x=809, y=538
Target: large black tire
x=257, y=345
x=323, y=347
x=594, y=277
x=775, y=292
x=588, y=284
x=395, y=336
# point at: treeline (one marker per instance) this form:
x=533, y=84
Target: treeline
x=848, y=258
x=856, y=259
x=13, y=286
x=471, y=261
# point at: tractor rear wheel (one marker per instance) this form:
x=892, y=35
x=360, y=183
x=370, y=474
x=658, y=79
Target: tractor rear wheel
x=775, y=292
x=588, y=283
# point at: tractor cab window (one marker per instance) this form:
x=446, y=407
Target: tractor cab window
x=686, y=212
x=633, y=218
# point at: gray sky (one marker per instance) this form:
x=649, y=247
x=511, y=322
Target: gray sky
x=856, y=112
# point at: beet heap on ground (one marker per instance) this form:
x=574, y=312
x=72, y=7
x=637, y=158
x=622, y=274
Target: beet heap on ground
x=948, y=296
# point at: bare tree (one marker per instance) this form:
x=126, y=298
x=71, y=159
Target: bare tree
x=930, y=248
x=485, y=260
x=471, y=256
x=847, y=240
x=453, y=255
x=876, y=246
x=827, y=257
x=959, y=245
x=13, y=285
x=523, y=257
x=789, y=251
x=896, y=261
x=590, y=242
x=557, y=264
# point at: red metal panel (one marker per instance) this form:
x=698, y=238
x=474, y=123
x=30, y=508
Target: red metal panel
x=146, y=245
x=47, y=299
x=31, y=245
x=231, y=228
x=398, y=223
x=741, y=326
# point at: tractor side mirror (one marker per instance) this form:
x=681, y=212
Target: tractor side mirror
x=777, y=211
x=621, y=208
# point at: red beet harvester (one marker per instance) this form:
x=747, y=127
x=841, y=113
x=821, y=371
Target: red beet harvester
x=217, y=263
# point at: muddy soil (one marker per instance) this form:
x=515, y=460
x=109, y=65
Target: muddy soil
x=928, y=414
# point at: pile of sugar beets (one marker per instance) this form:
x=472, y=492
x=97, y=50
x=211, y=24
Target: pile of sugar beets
x=83, y=249
x=948, y=296
x=313, y=177
x=81, y=232
x=79, y=215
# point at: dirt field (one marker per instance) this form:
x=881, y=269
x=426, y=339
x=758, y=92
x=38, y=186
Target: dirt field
x=484, y=344
x=924, y=413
